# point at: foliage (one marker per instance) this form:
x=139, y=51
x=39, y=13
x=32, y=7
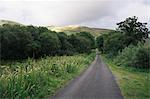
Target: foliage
x=142, y=58
x=82, y=42
x=100, y=43
x=133, y=30
x=31, y=41
x=14, y=41
x=111, y=43
x=88, y=36
x=135, y=56
x=38, y=78
x=66, y=47
x=71, y=68
x=129, y=32
x=49, y=43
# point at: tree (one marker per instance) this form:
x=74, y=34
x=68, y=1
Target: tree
x=113, y=43
x=14, y=41
x=18, y=42
x=80, y=43
x=133, y=30
x=35, y=46
x=66, y=47
x=50, y=43
x=42, y=29
x=100, y=43
x=88, y=36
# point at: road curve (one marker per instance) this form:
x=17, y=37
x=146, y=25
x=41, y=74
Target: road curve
x=97, y=82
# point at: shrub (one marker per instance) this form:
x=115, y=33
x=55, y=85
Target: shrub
x=141, y=58
x=135, y=56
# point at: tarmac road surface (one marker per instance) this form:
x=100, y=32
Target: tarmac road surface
x=97, y=82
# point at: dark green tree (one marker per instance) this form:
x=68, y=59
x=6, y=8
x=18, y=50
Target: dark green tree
x=50, y=43
x=100, y=43
x=80, y=43
x=133, y=30
x=14, y=41
x=88, y=36
x=66, y=47
x=113, y=43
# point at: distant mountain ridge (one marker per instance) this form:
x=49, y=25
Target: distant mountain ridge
x=71, y=29
x=9, y=22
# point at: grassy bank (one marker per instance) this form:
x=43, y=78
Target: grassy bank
x=40, y=78
x=134, y=84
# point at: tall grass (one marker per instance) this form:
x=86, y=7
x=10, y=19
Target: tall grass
x=39, y=78
x=134, y=84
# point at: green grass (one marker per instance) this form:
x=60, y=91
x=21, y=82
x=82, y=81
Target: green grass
x=134, y=84
x=40, y=78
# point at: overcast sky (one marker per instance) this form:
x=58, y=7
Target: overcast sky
x=94, y=13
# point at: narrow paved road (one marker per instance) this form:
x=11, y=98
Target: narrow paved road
x=97, y=82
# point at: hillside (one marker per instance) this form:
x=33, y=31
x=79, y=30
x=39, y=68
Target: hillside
x=75, y=29
x=71, y=29
x=9, y=22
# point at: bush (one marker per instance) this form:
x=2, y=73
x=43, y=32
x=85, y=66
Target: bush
x=135, y=56
x=141, y=58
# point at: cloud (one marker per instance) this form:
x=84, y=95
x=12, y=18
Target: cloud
x=95, y=13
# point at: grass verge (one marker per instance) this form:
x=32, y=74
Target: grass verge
x=134, y=84
x=40, y=78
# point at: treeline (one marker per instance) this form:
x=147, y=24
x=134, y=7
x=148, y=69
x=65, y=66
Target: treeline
x=126, y=46
x=20, y=42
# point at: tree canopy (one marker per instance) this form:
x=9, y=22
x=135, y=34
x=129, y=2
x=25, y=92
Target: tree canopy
x=133, y=30
x=18, y=42
x=129, y=32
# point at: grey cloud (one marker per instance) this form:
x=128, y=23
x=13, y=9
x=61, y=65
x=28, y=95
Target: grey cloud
x=146, y=2
x=95, y=13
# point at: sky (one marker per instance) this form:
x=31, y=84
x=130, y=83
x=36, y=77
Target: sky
x=93, y=13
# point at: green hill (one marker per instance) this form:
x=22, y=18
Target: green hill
x=76, y=29
x=9, y=22
x=71, y=29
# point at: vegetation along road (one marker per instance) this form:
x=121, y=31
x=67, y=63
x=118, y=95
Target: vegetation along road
x=97, y=82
